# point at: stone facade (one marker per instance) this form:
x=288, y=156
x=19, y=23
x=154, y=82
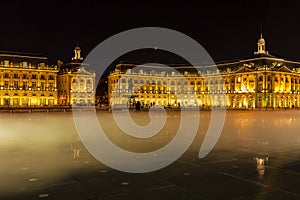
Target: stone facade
x=261, y=81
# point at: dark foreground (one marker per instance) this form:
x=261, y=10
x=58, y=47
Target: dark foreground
x=257, y=157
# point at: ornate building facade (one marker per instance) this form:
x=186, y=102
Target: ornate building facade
x=27, y=80
x=76, y=85
x=261, y=81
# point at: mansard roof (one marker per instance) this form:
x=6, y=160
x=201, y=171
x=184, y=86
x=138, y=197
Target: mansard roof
x=251, y=64
x=258, y=62
x=18, y=57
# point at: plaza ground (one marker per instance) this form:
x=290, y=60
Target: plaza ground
x=257, y=157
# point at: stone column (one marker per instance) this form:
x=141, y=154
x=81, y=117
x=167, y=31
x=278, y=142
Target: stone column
x=55, y=80
x=2, y=81
x=235, y=81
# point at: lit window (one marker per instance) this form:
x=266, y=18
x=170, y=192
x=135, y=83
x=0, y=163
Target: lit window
x=6, y=63
x=16, y=84
x=6, y=84
x=51, y=86
x=24, y=64
x=42, y=85
x=24, y=85
x=33, y=85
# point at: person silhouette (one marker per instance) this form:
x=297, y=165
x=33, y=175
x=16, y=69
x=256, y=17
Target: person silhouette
x=138, y=105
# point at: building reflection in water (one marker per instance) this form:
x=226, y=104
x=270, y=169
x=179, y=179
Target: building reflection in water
x=76, y=148
x=260, y=165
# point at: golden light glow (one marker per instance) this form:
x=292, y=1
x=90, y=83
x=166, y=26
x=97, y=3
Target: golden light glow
x=241, y=84
x=34, y=83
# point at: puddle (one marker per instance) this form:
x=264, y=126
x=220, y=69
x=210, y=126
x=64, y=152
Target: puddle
x=103, y=171
x=125, y=183
x=44, y=195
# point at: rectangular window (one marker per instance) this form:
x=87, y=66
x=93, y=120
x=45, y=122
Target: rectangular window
x=16, y=75
x=25, y=85
x=33, y=76
x=42, y=85
x=260, y=87
x=33, y=85
x=16, y=84
x=6, y=75
x=6, y=84
x=51, y=86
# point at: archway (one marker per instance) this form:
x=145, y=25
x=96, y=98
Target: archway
x=243, y=102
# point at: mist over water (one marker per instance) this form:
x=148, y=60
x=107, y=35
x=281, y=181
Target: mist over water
x=42, y=152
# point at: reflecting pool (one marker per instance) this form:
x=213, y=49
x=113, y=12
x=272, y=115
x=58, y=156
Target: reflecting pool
x=256, y=157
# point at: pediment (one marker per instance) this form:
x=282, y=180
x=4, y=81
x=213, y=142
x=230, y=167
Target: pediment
x=244, y=69
x=82, y=71
x=284, y=69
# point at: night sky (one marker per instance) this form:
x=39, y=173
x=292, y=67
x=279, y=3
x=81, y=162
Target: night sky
x=227, y=29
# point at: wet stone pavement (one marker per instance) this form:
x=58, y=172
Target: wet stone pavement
x=256, y=157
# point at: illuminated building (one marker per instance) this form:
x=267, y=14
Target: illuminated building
x=262, y=81
x=76, y=85
x=27, y=80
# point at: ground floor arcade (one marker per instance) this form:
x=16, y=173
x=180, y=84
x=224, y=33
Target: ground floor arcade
x=235, y=100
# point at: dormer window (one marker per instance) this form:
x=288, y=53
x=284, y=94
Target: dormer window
x=24, y=64
x=6, y=63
